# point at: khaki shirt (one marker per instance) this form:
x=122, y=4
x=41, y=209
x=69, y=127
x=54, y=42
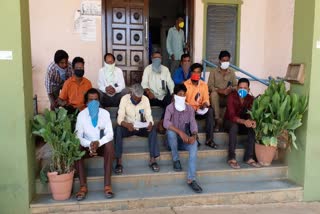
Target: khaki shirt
x=219, y=81
x=128, y=112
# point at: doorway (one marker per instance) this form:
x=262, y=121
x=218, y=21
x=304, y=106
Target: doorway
x=134, y=28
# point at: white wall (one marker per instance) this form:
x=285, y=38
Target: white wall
x=51, y=26
x=265, y=39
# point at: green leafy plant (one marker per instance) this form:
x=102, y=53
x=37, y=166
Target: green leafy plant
x=56, y=130
x=277, y=112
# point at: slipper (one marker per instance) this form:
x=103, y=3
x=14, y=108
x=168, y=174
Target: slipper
x=82, y=193
x=118, y=169
x=233, y=164
x=108, y=192
x=154, y=166
x=253, y=164
x=211, y=144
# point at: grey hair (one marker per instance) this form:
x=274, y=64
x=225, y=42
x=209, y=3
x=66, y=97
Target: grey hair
x=137, y=90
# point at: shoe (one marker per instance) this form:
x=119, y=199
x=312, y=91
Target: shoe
x=177, y=166
x=195, y=187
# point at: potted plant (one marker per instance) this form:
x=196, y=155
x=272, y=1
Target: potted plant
x=56, y=130
x=278, y=113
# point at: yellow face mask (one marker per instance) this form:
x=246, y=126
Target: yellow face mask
x=181, y=24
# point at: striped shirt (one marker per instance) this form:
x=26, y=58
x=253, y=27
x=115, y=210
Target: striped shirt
x=53, y=82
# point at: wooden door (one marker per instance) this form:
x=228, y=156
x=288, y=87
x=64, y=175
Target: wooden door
x=127, y=36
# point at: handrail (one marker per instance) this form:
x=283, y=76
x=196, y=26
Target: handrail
x=263, y=81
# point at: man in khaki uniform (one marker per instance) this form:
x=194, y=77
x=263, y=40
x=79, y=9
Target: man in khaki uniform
x=222, y=81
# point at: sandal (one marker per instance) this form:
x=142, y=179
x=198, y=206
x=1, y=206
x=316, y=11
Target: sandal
x=154, y=166
x=118, y=169
x=233, y=164
x=108, y=192
x=82, y=193
x=253, y=163
x=211, y=144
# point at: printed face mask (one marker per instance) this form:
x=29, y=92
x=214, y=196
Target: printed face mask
x=179, y=103
x=225, y=65
x=93, y=107
x=242, y=93
x=156, y=63
x=79, y=72
x=181, y=24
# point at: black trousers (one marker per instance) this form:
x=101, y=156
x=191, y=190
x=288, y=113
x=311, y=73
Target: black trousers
x=234, y=129
x=122, y=132
x=162, y=103
x=209, y=117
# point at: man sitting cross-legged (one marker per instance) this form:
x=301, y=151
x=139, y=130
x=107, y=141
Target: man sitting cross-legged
x=182, y=129
x=134, y=118
x=94, y=129
x=238, y=120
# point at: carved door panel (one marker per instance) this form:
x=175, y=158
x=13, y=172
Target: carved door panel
x=127, y=36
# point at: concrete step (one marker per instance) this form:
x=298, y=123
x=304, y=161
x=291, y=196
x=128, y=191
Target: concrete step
x=140, y=175
x=173, y=195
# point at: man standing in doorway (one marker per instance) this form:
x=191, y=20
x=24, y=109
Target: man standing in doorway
x=58, y=72
x=175, y=43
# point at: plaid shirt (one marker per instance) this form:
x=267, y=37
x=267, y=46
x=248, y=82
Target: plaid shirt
x=53, y=82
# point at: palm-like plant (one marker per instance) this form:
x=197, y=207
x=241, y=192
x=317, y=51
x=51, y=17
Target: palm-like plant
x=56, y=130
x=276, y=112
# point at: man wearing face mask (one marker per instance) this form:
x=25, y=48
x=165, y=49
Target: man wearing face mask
x=74, y=89
x=57, y=73
x=94, y=130
x=175, y=43
x=182, y=73
x=182, y=129
x=222, y=81
x=237, y=120
x=111, y=82
x=198, y=97
x=158, y=84
x=134, y=118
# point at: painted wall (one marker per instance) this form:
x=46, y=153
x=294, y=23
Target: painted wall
x=303, y=164
x=265, y=37
x=16, y=154
x=52, y=28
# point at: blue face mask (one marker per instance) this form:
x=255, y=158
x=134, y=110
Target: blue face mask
x=156, y=63
x=242, y=93
x=134, y=102
x=93, y=107
x=62, y=73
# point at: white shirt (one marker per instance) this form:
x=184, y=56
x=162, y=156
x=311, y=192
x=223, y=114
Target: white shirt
x=153, y=81
x=87, y=133
x=128, y=112
x=118, y=82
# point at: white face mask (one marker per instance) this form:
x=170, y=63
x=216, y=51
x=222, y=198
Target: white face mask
x=110, y=67
x=225, y=65
x=179, y=103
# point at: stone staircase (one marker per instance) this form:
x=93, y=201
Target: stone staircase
x=139, y=187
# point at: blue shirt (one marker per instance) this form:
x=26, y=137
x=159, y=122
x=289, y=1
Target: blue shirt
x=179, y=77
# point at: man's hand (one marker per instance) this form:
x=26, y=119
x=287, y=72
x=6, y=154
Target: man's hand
x=130, y=127
x=228, y=91
x=254, y=124
x=94, y=145
x=204, y=105
x=184, y=137
x=248, y=123
x=150, y=95
x=192, y=139
x=172, y=57
x=61, y=102
x=110, y=90
x=149, y=128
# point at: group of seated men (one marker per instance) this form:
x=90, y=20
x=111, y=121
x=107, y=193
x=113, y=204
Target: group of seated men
x=185, y=98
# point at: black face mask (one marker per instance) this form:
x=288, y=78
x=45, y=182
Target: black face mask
x=79, y=72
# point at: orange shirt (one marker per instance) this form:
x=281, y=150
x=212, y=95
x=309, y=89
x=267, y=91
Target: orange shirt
x=192, y=90
x=73, y=92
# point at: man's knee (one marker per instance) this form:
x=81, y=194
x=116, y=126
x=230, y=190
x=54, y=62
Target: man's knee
x=234, y=128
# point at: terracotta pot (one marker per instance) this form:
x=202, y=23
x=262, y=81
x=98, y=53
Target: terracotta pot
x=60, y=185
x=265, y=154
